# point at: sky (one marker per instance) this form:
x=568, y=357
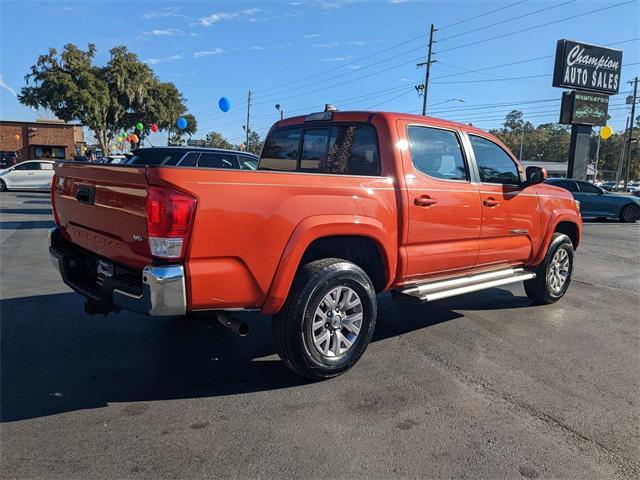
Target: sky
x=355, y=54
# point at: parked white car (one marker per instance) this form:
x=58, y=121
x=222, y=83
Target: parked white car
x=29, y=175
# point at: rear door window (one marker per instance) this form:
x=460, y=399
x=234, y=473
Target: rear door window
x=281, y=150
x=218, y=160
x=566, y=184
x=157, y=156
x=586, y=187
x=437, y=153
x=335, y=149
x=190, y=159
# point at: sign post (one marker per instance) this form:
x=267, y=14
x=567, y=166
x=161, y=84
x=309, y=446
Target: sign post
x=593, y=73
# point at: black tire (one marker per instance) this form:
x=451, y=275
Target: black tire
x=292, y=326
x=3, y=186
x=539, y=289
x=630, y=213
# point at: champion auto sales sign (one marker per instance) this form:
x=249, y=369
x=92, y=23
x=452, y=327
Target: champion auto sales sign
x=581, y=66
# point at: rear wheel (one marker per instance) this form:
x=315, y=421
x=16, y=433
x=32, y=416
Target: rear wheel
x=553, y=275
x=3, y=186
x=630, y=213
x=328, y=319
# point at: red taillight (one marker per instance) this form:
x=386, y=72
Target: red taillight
x=54, y=182
x=169, y=217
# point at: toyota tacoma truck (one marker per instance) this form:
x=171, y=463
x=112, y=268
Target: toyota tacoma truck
x=343, y=206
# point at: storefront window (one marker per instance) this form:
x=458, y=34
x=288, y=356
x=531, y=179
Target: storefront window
x=49, y=152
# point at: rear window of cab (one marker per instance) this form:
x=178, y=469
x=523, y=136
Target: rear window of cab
x=347, y=149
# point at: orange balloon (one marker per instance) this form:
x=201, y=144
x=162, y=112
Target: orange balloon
x=134, y=138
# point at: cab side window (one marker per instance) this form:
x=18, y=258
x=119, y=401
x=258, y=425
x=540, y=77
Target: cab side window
x=566, y=184
x=494, y=164
x=586, y=187
x=190, y=159
x=218, y=160
x=28, y=166
x=437, y=153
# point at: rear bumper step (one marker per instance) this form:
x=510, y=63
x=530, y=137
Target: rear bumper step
x=451, y=287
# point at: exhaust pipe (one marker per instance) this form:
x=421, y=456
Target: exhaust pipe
x=233, y=324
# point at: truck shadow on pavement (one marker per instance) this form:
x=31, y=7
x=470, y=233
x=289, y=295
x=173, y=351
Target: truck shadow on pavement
x=55, y=358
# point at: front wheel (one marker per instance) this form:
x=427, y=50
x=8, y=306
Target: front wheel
x=553, y=275
x=3, y=186
x=630, y=213
x=328, y=319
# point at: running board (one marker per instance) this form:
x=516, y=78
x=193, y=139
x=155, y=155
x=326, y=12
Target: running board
x=436, y=290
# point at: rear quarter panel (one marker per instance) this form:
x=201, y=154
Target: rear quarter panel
x=246, y=220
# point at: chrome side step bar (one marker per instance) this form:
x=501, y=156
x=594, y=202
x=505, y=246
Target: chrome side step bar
x=436, y=290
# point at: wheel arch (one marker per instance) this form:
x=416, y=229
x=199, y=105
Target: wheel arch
x=567, y=222
x=354, y=237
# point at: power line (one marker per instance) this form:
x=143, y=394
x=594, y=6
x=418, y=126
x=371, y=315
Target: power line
x=536, y=26
x=506, y=21
x=482, y=14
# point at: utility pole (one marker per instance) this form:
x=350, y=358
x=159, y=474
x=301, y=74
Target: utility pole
x=425, y=86
x=630, y=140
x=595, y=173
x=246, y=147
x=522, y=141
x=621, y=161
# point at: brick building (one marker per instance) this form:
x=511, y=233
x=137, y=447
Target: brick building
x=42, y=139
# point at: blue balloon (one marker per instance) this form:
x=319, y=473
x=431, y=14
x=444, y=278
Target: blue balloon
x=181, y=123
x=225, y=104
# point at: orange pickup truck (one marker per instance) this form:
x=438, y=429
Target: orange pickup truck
x=343, y=206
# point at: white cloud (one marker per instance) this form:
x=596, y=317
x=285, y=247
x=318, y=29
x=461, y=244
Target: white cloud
x=156, y=61
x=247, y=14
x=337, y=59
x=397, y=2
x=354, y=67
x=327, y=45
x=311, y=35
x=208, y=53
x=295, y=4
x=168, y=32
x=6, y=87
x=165, y=12
x=357, y=43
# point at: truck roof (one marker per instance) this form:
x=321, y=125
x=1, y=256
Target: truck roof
x=364, y=116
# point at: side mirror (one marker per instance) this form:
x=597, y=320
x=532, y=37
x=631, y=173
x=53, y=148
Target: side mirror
x=536, y=175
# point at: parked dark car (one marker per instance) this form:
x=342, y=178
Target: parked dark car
x=596, y=202
x=8, y=159
x=194, y=157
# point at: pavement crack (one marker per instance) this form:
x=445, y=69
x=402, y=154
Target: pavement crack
x=625, y=465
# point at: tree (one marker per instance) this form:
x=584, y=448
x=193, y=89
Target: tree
x=514, y=120
x=255, y=143
x=216, y=140
x=108, y=99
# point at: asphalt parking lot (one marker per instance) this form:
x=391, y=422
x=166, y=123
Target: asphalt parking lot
x=482, y=386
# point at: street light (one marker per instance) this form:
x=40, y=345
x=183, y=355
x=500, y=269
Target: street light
x=280, y=110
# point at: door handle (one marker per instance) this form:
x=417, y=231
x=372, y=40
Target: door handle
x=424, y=201
x=29, y=173
x=491, y=202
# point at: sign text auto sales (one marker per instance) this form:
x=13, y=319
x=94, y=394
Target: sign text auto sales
x=582, y=66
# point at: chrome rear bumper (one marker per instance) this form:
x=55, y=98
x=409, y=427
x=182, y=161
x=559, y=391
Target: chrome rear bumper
x=162, y=291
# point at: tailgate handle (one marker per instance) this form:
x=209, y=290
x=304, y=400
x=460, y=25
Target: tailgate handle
x=86, y=195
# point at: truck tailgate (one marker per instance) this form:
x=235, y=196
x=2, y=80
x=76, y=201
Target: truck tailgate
x=102, y=208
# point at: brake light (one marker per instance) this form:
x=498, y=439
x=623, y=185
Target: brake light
x=54, y=183
x=169, y=218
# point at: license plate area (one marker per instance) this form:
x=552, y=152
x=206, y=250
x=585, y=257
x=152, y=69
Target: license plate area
x=104, y=270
